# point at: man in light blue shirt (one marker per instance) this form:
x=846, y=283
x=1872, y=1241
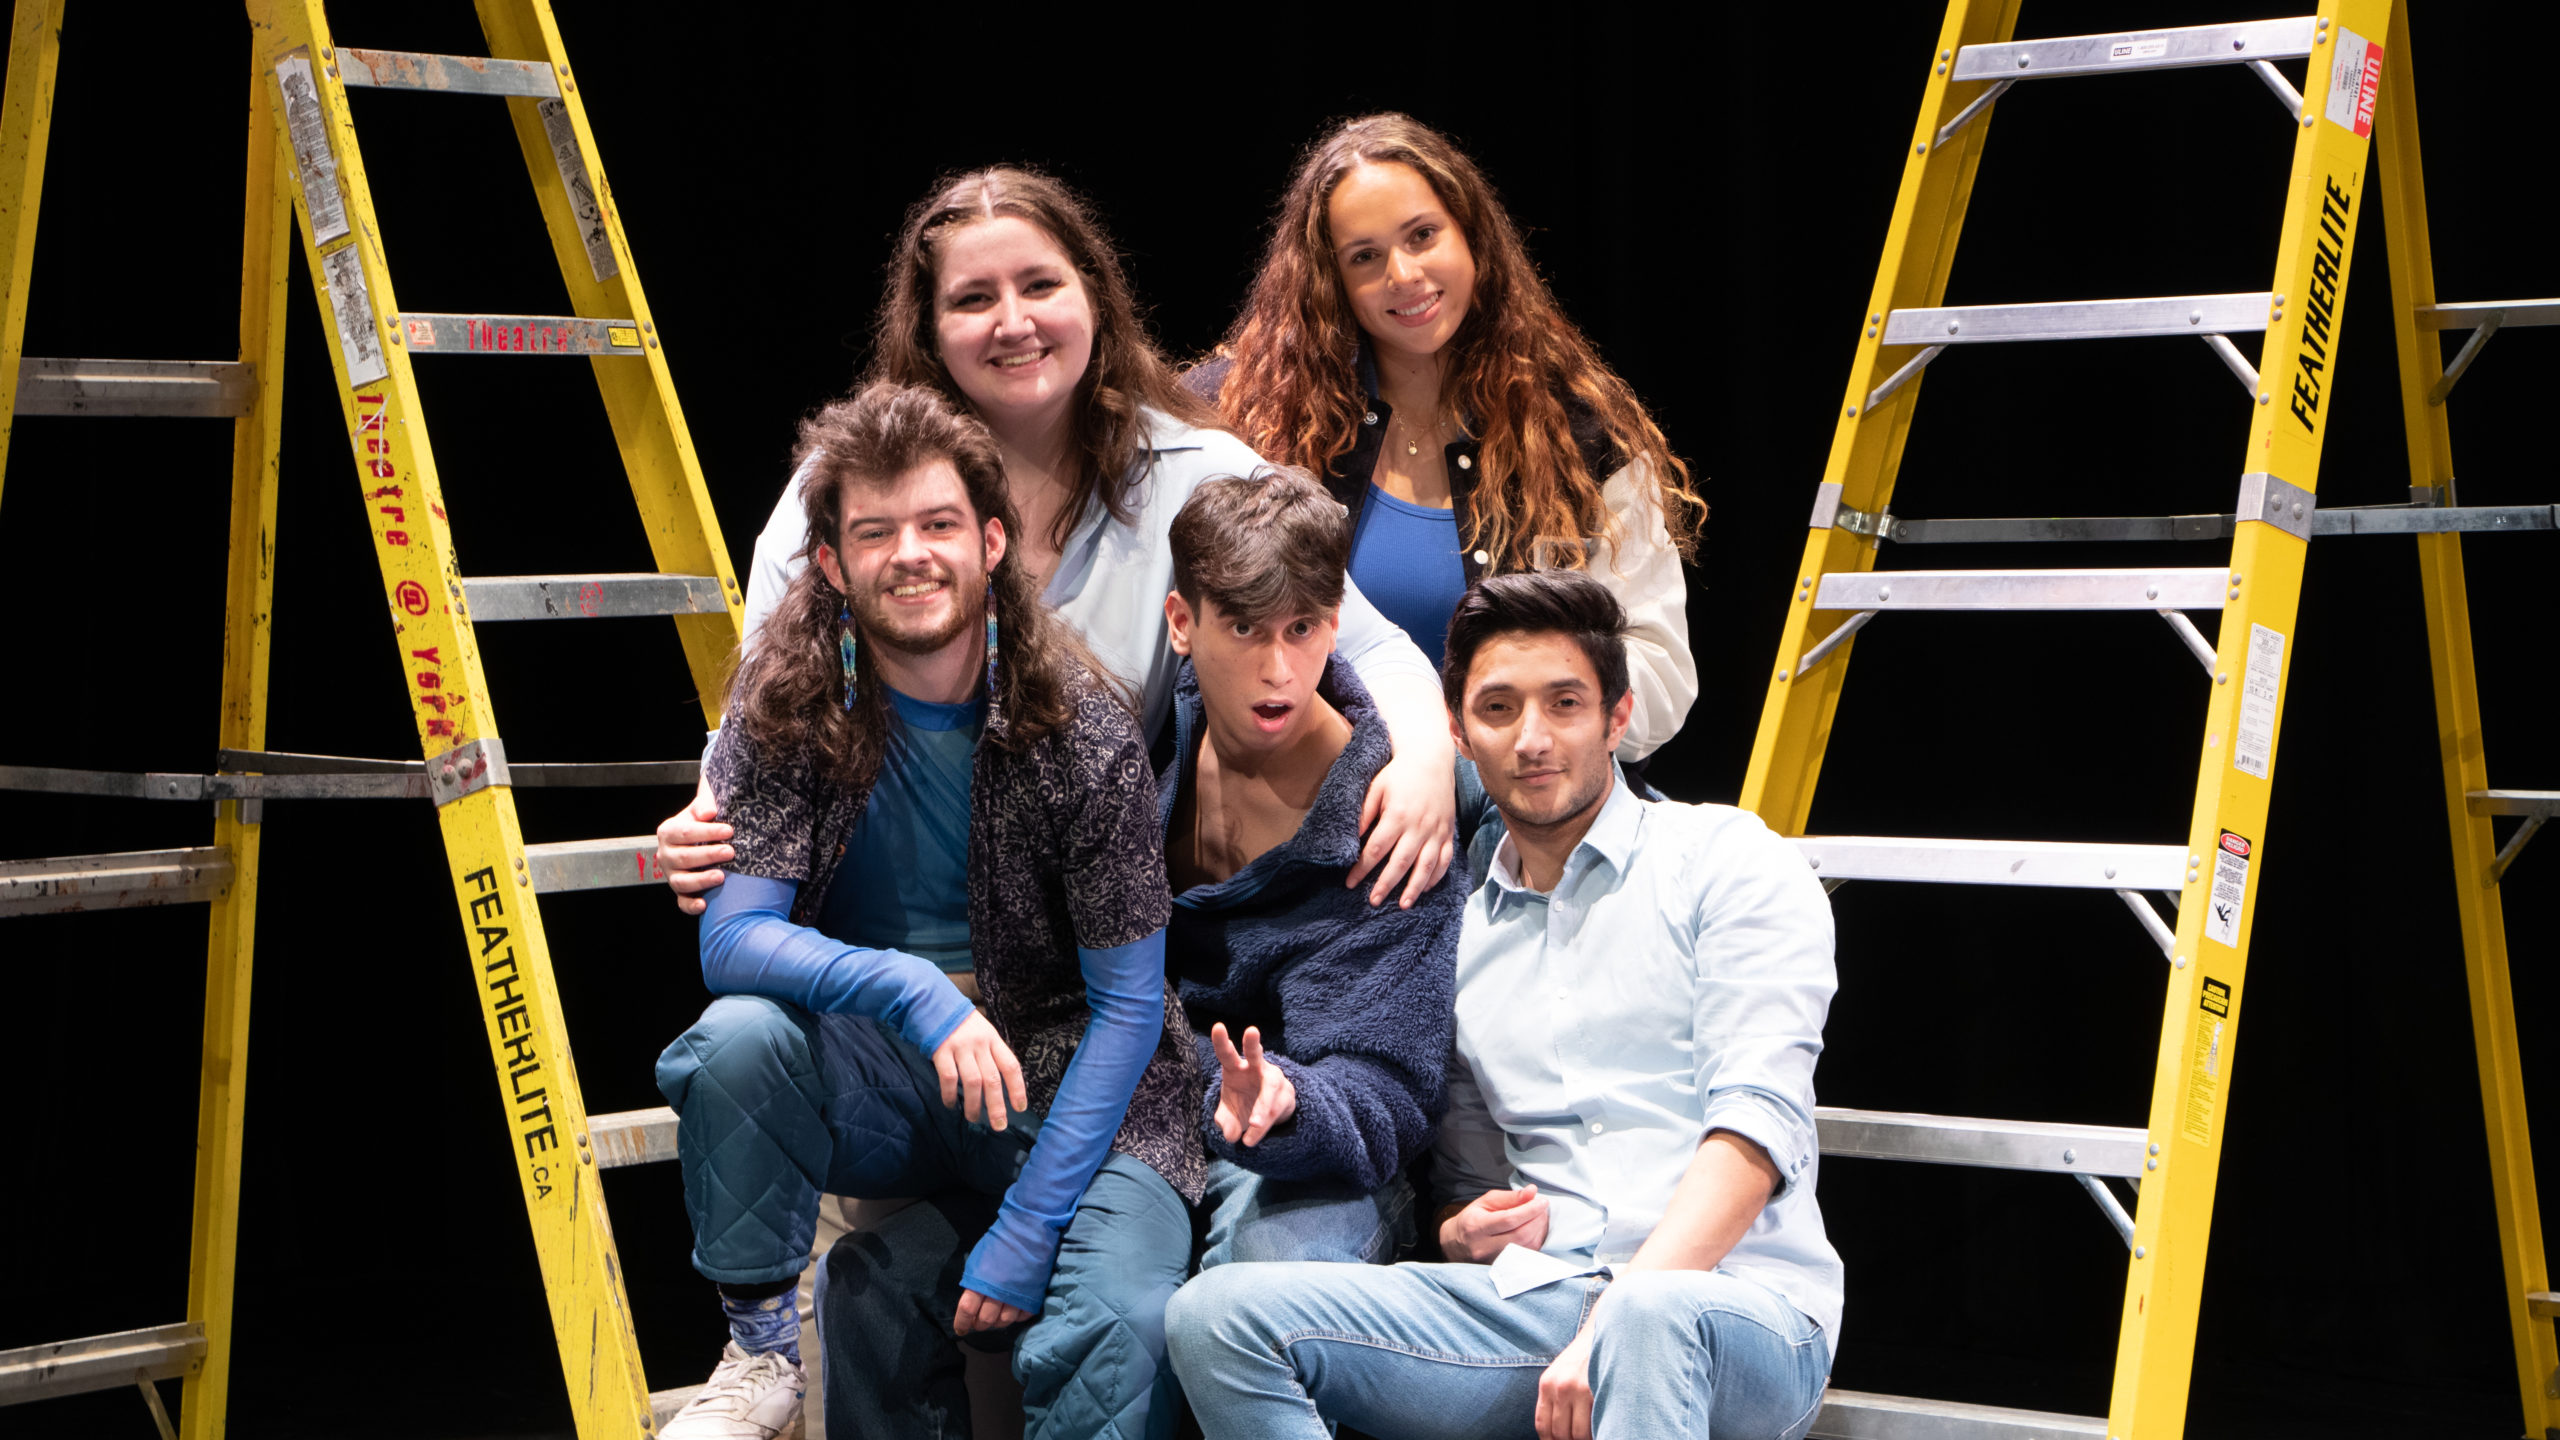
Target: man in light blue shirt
x=1629, y=1160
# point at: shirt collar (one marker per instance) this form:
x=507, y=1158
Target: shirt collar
x=1612, y=837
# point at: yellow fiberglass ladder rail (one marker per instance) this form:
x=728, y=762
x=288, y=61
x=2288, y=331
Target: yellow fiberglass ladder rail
x=304, y=165
x=2350, y=93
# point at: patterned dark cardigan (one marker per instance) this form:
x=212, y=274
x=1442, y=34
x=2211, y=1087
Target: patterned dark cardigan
x=1064, y=850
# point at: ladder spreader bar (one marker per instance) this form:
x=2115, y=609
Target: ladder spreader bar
x=2081, y=319
x=2343, y=520
x=592, y=597
x=1855, y=1415
x=2465, y=314
x=100, y=1362
x=207, y=389
x=2055, y=863
x=574, y=335
x=2181, y=589
x=1990, y=1144
x=452, y=74
x=633, y=1137
x=126, y=881
x=594, y=864
x=2230, y=44
x=361, y=780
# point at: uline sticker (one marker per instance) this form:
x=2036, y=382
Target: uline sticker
x=2230, y=890
x=2261, y=682
x=2355, y=82
x=2204, y=1060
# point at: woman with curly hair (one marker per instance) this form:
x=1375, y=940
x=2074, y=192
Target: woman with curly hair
x=1399, y=343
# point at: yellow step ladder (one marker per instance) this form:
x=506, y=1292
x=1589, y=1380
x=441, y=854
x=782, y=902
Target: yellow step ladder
x=304, y=162
x=2351, y=94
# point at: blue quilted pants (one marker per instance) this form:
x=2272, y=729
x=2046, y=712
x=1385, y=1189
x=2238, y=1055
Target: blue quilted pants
x=779, y=1106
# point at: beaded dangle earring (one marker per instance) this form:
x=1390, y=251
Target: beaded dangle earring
x=844, y=652
x=991, y=637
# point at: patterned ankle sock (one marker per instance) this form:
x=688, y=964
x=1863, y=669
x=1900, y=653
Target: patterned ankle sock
x=768, y=1323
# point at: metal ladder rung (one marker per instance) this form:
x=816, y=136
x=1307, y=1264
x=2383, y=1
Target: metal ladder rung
x=2543, y=1304
x=567, y=335
x=125, y=881
x=1855, y=1415
x=592, y=597
x=2545, y=803
x=633, y=1137
x=2081, y=319
x=206, y=389
x=2342, y=520
x=1988, y=1144
x=100, y=1362
x=2049, y=863
x=2228, y=44
x=2465, y=314
x=452, y=74
x=2179, y=589
x=594, y=864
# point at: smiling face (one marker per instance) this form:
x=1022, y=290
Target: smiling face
x=1013, y=320
x=912, y=558
x=1533, y=723
x=1404, y=262
x=1257, y=679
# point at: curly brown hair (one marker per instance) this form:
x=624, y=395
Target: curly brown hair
x=1127, y=371
x=788, y=694
x=1294, y=393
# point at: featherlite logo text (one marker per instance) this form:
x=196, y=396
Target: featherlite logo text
x=2319, y=310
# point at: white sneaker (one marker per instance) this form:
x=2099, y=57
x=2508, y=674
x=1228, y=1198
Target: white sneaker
x=749, y=1397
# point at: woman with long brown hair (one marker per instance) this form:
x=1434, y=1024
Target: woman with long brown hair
x=1399, y=343
x=1004, y=294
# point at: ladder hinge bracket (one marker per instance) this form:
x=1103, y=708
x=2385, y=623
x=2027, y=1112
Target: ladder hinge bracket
x=467, y=769
x=2431, y=497
x=2278, y=502
x=1830, y=514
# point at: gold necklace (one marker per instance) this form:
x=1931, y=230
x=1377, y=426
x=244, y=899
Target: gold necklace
x=1412, y=445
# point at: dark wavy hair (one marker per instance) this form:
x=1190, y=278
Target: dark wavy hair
x=788, y=695
x=1538, y=602
x=1294, y=393
x=1127, y=371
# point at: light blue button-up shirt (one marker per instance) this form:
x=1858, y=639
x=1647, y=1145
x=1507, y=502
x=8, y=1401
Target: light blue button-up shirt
x=1672, y=984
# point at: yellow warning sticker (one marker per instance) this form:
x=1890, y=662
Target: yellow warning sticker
x=622, y=335
x=2204, y=1061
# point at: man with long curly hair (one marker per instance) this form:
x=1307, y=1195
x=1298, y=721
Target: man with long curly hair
x=927, y=773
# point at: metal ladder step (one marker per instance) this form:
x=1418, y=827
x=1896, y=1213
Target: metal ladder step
x=592, y=597
x=2243, y=43
x=2544, y=1304
x=2467, y=314
x=1987, y=1144
x=451, y=74
x=2081, y=320
x=100, y=1362
x=126, y=881
x=205, y=389
x=633, y=1137
x=2179, y=589
x=570, y=335
x=594, y=864
x=1854, y=1415
x=2343, y=520
x=2055, y=863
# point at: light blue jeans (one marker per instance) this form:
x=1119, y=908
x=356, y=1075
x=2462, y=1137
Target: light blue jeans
x=1421, y=1352
x=1253, y=1218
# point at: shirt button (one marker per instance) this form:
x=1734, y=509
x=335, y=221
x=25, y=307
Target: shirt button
x=1598, y=1128
x=1369, y=419
x=1466, y=462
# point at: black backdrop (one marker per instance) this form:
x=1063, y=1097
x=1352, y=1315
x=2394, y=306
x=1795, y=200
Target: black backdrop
x=1707, y=193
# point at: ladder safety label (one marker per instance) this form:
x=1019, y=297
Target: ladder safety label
x=2204, y=1061
x=343, y=268
x=2261, y=681
x=2230, y=890
x=2355, y=82
x=2151, y=49
x=583, y=201
x=307, y=123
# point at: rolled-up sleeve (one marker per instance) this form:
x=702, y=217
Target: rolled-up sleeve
x=1642, y=567
x=1764, y=987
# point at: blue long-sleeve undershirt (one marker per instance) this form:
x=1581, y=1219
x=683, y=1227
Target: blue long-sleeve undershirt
x=751, y=947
